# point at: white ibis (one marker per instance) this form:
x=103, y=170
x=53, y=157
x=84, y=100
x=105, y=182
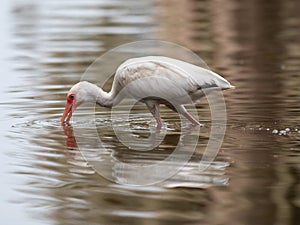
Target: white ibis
x=153, y=80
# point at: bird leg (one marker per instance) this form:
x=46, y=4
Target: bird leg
x=191, y=118
x=182, y=110
x=154, y=109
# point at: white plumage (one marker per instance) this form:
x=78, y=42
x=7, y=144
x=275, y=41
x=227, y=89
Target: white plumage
x=153, y=80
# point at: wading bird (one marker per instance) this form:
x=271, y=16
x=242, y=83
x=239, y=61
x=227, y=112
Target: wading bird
x=153, y=80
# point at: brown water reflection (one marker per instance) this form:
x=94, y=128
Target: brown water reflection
x=254, y=179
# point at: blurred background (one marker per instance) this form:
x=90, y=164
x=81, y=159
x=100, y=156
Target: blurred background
x=47, y=45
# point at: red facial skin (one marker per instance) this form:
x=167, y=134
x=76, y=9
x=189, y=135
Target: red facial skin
x=69, y=109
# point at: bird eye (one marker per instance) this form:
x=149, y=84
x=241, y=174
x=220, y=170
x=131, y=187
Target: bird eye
x=71, y=98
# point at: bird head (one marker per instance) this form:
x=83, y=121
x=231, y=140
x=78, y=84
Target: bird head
x=78, y=94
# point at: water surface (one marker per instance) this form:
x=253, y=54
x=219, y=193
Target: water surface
x=254, y=178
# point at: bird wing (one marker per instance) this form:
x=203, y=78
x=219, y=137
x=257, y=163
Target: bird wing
x=163, y=77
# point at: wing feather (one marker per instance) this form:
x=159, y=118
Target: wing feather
x=172, y=79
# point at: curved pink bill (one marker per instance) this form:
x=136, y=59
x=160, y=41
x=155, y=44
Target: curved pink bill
x=67, y=113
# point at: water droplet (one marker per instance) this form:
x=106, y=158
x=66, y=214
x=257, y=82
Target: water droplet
x=282, y=132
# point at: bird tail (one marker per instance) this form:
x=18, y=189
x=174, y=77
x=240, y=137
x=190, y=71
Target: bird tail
x=228, y=87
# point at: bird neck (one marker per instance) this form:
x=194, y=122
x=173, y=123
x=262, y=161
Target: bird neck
x=104, y=98
x=108, y=99
x=101, y=97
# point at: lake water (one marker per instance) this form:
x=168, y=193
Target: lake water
x=46, y=46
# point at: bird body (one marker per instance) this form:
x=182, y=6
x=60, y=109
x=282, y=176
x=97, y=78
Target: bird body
x=153, y=80
x=161, y=71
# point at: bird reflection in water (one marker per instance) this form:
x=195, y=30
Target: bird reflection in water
x=119, y=164
x=71, y=142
